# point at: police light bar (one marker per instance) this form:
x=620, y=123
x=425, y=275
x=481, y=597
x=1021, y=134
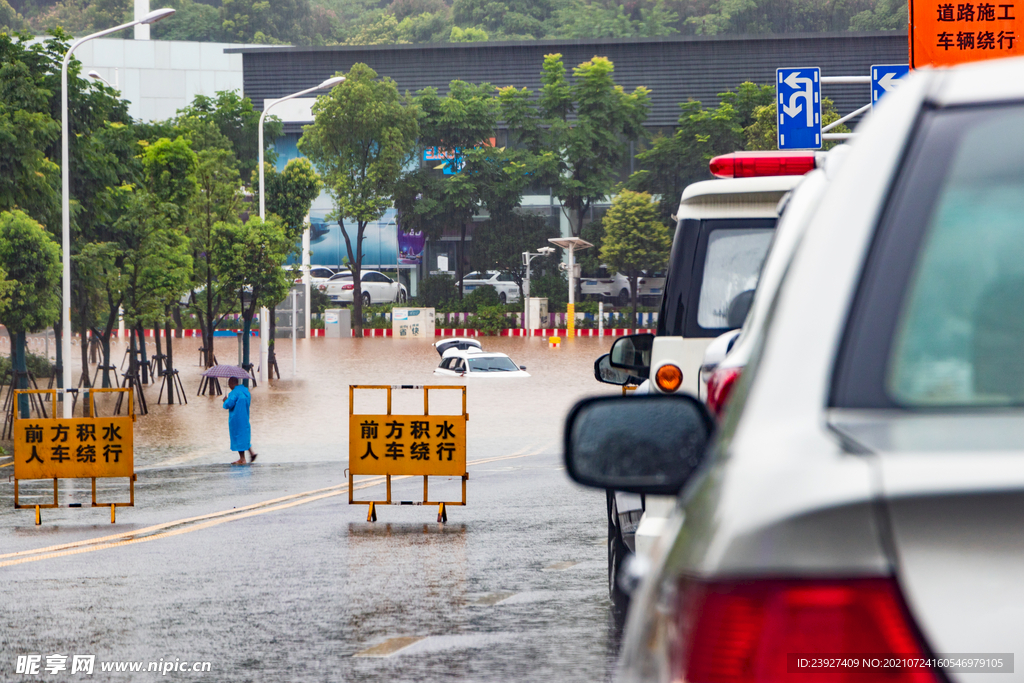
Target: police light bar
x=761, y=164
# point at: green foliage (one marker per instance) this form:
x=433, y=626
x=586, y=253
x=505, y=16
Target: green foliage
x=426, y=27
x=31, y=260
x=261, y=21
x=468, y=35
x=635, y=239
x=362, y=136
x=37, y=365
x=236, y=120
x=582, y=20
x=485, y=295
x=554, y=287
x=10, y=20
x=492, y=319
x=437, y=291
x=578, y=130
x=508, y=20
x=192, y=20
x=382, y=31
x=290, y=193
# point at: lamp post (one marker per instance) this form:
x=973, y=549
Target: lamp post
x=65, y=341
x=264, y=312
x=571, y=245
x=527, y=257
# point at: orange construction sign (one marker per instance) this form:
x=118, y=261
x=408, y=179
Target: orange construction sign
x=947, y=32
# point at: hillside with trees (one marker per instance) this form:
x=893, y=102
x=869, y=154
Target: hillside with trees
x=383, y=22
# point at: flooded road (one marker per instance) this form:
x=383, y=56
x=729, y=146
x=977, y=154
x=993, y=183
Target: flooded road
x=267, y=573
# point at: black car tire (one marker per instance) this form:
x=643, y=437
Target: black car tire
x=366, y=298
x=624, y=297
x=502, y=298
x=401, y=296
x=618, y=551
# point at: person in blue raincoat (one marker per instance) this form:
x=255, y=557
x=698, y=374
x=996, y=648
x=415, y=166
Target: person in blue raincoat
x=237, y=404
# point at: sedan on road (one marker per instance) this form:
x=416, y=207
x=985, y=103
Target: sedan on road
x=377, y=288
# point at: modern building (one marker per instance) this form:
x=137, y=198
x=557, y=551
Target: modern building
x=675, y=69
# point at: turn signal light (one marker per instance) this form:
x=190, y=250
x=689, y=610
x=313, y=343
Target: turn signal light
x=761, y=164
x=765, y=631
x=668, y=378
x=720, y=386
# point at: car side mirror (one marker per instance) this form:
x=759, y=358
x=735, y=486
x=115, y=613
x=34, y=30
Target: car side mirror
x=522, y=367
x=738, y=308
x=638, y=444
x=604, y=372
x=633, y=352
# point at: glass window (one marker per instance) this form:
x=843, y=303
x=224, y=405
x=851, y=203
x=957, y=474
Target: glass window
x=732, y=266
x=475, y=275
x=505, y=277
x=494, y=364
x=960, y=334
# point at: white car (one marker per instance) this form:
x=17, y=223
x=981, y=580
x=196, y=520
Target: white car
x=377, y=288
x=864, y=489
x=474, y=362
x=615, y=287
x=508, y=290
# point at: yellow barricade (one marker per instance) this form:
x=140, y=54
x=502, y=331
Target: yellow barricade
x=407, y=445
x=76, y=448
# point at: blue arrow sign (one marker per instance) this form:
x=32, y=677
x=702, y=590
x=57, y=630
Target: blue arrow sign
x=799, y=108
x=884, y=77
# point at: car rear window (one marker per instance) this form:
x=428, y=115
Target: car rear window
x=732, y=265
x=939, y=322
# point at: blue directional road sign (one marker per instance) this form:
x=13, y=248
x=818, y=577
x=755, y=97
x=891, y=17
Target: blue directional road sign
x=799, y=108
x=884, y=77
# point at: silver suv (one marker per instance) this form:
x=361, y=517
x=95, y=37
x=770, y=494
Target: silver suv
x=863, y=499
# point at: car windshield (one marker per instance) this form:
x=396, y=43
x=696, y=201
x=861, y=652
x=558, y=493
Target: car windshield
x=492, y=364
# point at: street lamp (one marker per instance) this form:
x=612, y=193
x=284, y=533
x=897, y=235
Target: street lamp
x=65, y=341
x=527, y=257
x=264, y=312
x=571, y=245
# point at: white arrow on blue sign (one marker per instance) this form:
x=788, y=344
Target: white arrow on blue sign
x=884, y=77
x=799, y=108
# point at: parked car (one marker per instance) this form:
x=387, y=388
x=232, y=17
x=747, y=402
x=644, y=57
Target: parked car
x=474, y=362
x=614, y=287
x=376, y=288
x=508, y=290
x=865, y=489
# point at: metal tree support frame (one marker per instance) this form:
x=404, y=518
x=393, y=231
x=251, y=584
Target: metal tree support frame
x=442, y=513
x=92, y=412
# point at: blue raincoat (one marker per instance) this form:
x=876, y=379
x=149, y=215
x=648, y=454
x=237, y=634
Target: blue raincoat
x=237, y=405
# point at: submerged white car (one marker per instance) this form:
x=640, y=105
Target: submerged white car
x=475, y=362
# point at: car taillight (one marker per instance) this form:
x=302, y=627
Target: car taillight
x=322, y=288
x=760, y=164
x=345, y=288
x=757, y=631
x=720, y=386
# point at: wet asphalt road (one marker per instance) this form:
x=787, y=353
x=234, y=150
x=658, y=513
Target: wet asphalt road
x=269, y=574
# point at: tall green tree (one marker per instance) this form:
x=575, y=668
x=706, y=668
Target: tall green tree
x=446, y=195
x=579, y=130
x=31, y=260
x=218, y=200
x=362, y=136
x=238, y=121
x=248, y=262
x=290, y=195
x=260, y=21
x=635, y=238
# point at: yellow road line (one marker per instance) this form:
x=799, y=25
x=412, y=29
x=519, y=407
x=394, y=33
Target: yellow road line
x=167, y=529
x=7, y=464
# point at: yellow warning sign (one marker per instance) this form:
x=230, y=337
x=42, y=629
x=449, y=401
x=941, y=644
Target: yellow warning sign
x=407, y=445
x=76, y=448
x=433, y=445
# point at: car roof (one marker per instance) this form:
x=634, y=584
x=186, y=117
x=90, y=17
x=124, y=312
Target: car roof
x=973, y=83
x=735, y=197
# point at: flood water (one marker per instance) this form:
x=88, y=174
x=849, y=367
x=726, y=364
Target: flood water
x=303, y=416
